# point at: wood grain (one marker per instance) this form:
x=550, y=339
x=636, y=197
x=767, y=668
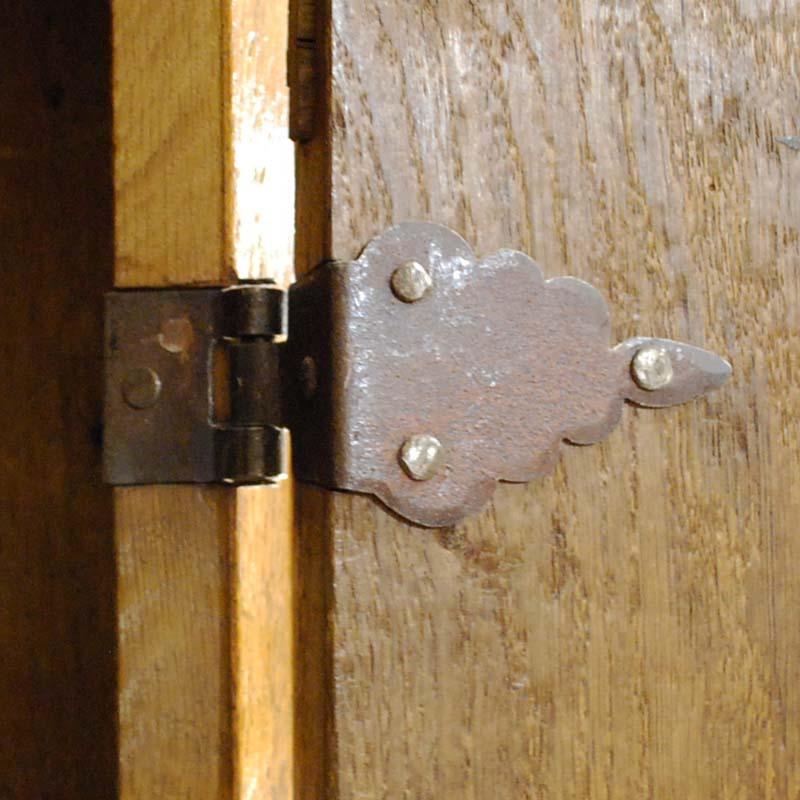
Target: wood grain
x=206, y=580
x=57, y=652
x=627, y=627
x=263, y=578
x=169, y=134
x=261, y=180
x=174, y=640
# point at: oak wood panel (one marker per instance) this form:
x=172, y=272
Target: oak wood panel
x=314, y=765
x=261, y=155
x=263, y=579
x=57, y=653
x=625, y=628
x=315, y=719
x=206, y=584
x=169, y=136
x=173, y=566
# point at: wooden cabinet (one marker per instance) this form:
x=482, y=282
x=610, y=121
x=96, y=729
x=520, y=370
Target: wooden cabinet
x=624, y=628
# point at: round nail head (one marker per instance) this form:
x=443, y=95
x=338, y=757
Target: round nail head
x=421, y=456
x=652, y=368
x=411, y=282
x=141, y=388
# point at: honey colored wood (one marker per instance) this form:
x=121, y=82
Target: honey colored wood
x=204, y=169
x=57, y=641
x=206, y=588
x=261, y=155
x=173, y=560
x=627, y=627
x=169, y=133
x=263, y=573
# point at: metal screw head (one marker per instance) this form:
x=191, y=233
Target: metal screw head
x=421, y=456
x=652, y=368
x=141, y=388
x=411, y=281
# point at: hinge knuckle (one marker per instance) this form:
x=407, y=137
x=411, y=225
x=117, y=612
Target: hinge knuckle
x=254, y=383
x=254, y=311
x=252, y=455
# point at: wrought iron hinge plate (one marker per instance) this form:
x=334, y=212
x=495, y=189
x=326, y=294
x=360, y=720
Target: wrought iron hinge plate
x=193, y=385
x=417, y=373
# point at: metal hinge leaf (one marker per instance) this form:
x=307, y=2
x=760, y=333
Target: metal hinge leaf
x=417, y=373
x=192, y=385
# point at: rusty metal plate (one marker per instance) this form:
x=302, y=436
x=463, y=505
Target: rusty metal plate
x=495, y=362
x=169, y=335
x=192, y=386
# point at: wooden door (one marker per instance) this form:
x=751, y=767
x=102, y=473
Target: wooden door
x=627, y=627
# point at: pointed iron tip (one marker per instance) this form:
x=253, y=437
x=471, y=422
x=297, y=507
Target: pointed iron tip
x=682, y=372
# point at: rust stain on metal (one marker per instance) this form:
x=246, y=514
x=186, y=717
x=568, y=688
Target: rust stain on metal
x=192, y=385
x=497, y=363
x=177, y=335
x=424, y=395
x=171, y=438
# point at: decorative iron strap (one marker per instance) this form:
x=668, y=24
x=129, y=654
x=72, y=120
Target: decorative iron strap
x=427, y=401
x=417, y=373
